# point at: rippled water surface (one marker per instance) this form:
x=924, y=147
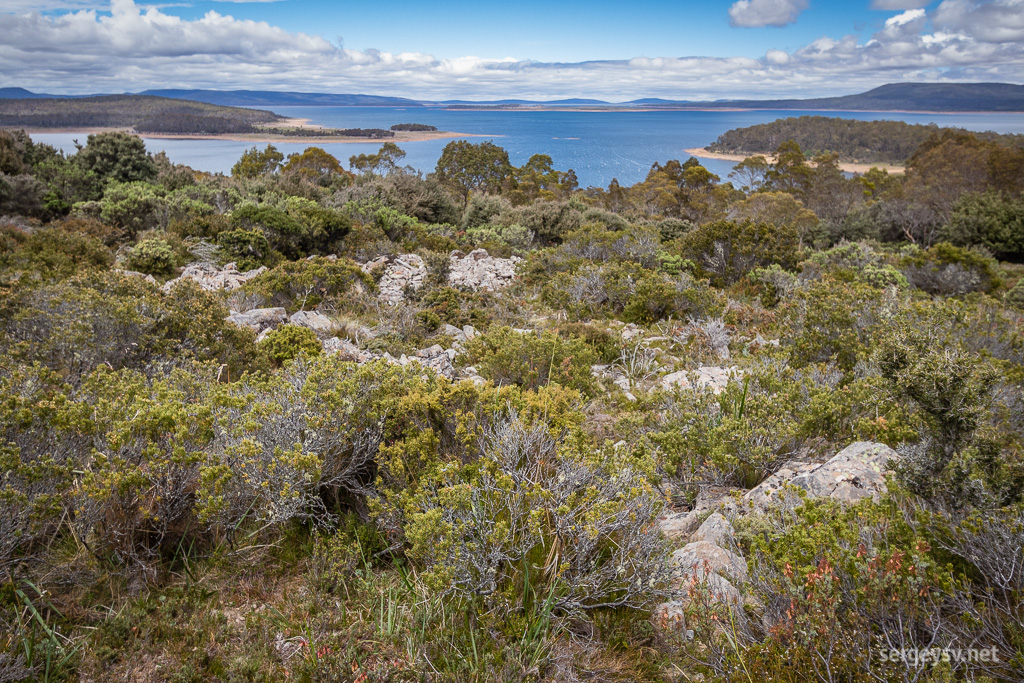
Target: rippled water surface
x=599, y=146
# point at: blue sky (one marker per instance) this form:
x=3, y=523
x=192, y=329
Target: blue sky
x=480, y=50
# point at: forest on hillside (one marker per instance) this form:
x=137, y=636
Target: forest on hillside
x=321, y=421
x=876, y=142
x=139, y=112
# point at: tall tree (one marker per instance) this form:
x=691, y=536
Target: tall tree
x=465, y=168
x=255, y=163
x=117, y=156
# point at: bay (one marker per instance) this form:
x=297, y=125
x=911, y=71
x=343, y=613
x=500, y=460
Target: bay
x=597, y=145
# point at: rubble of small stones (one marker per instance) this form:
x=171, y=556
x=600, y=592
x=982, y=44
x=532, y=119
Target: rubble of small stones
x=478, y=270
x=214, y=279
x=400, y=273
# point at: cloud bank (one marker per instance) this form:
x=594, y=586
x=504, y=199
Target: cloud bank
x=132, y=49
x=756, y=13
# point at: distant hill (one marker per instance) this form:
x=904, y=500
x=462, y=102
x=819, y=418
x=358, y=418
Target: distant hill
x=575, y=102
x=896, y=97
x=141, y=113
x=266, y=98
x=950, y=97
x=22, y=94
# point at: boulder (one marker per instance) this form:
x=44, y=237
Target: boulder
x=436, y=358
x=259, y=319
x=670, y=617
x=679, y=525
x=854, y=473
x=317, y=322
x=700, y=558
x=134, y=273
x=212, y=278
x=712, y=377
x=715, y=529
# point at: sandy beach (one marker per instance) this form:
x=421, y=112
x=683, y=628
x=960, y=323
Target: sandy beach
x=849, y=167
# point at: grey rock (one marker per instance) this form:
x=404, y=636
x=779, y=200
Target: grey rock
x=670, y=616
x=478, y=270
x=854, y=473
x=715, y=378
x=212, y=278
x=259, y=319
x=347, y=350
x=134, y=273
x=679, y=525
x=405, y=271
x=715, y=529
x=317, y=322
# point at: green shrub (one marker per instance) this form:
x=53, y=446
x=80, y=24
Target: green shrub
x=123, y=322
x=631, y=292
x=289, y=341
x=990, y=220
x=1015, y=296
x=51, y=253
x=132, y=207
x=725, y=251
x=530, y=360
x=249, y=249
x=531, y=525
x=152, y=256
x=857, y=261
x=831, y=320
x=604, y=344
x=307, y=283
x=831, y=584
x=950, y=271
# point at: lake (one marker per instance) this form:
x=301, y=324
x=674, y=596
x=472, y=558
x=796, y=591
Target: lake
x=599, y=146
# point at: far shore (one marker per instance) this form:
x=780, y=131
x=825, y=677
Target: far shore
x=849, y=167
x=400, y=136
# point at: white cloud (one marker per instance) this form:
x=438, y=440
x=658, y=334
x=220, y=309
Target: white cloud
x=132, y=49
x=905, y=18
x=757, y=13
x=894, y=5
x=995, y=21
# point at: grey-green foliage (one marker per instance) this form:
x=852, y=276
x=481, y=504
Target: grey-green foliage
x=860, y=261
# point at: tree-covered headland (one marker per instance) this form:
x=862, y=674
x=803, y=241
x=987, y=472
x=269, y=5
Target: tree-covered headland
x=485, y=425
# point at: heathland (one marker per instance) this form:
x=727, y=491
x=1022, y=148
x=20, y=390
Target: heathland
x=349, y=422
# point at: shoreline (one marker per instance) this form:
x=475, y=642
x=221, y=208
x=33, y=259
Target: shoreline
x=400, y=136
x=848, y=166
x=611, y=108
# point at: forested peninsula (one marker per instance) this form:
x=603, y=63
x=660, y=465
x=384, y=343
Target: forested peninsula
x=886, y=142
x=153, y=116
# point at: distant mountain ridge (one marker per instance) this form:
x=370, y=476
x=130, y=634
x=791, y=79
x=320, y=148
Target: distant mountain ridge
x=267, y=98
x=951, y=97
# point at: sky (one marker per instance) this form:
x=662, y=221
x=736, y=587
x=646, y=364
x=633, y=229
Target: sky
x=535, y=49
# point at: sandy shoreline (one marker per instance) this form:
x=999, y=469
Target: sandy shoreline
x=849, y=167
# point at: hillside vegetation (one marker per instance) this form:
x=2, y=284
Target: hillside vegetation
x=138, y=112
x=886, y=142
x=310, y=423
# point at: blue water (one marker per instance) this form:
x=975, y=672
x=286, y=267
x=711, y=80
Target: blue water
x=599, y=146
